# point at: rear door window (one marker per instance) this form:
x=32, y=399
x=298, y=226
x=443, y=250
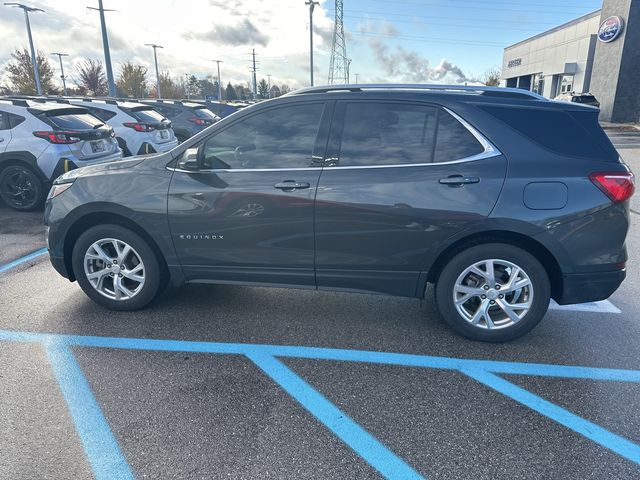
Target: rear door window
x=4, y=121
x=378, y=134
x=15, y=120
x=387, y=134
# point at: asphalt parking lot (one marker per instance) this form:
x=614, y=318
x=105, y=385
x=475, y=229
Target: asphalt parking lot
x=238, y=382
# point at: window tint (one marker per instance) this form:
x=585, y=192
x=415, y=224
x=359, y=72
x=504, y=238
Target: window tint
x=454, y=141
x=577, y=134
x=74, y=121
x=104, y=115
x=277, y=138
x=4, y=124
x=147, y=114
x=387, y=134
x=204, y=113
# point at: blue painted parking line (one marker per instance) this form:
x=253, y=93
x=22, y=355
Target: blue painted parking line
x=99, y=443
x=106, y=452
x=361, y=441
x=21, y=260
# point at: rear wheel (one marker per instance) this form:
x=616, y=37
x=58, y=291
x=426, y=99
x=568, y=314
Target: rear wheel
x=116, y=268
x=21, y=188
x=493, y=292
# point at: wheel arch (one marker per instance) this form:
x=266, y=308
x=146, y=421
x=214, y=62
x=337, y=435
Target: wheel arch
x=93, y=219
x=535, y=248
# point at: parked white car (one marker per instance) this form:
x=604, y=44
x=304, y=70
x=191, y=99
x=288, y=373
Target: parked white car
x=40, y=141
x=139, y=128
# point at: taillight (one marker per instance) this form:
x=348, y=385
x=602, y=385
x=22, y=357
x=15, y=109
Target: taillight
x=139, y=127
x=58, y=137
x=618, y=186
x=198, y=121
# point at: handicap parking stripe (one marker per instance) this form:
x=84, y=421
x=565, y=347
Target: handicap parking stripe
x=356, y=437
x=101, y=447
x=21, y=260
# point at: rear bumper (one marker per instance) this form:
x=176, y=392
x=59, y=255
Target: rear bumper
x=589, y=287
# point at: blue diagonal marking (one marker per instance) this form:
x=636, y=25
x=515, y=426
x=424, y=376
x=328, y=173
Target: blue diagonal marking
x=100, y=446
x=21, y=260
x=362, y=442
x=607, y=439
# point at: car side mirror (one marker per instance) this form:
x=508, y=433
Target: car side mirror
x=190, y=160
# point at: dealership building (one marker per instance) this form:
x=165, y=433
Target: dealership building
x=597, y=53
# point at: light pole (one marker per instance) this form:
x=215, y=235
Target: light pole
x=357, y=75
x=348, y=69
x=186, y=86
x=62, y=77
x=312, y=5
x=219, y=81
x=155, y=58
x=34, y=59
x=105, y=45
x=269, y=77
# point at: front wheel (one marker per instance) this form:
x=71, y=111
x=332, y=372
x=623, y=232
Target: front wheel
x=116, y=268
x=493, y=292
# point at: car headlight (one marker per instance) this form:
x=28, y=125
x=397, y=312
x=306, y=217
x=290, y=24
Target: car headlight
x=59, y=188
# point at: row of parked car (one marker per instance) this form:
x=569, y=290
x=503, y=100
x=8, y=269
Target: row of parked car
x=43, y=137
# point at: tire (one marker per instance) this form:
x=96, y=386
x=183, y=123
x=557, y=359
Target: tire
x=21, y=188
x=530, y=290
x=102, y=289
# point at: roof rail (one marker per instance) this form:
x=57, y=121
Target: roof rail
x=18, y=102
x=469, y=89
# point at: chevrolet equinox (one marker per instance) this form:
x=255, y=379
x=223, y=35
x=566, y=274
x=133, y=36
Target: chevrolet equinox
x=499, y=197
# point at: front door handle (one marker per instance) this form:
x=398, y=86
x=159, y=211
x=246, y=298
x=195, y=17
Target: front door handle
x=458, y=180
x=290, y=185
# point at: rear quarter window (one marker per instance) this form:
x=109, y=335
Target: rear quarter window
x=454, y=141
x=575, y=134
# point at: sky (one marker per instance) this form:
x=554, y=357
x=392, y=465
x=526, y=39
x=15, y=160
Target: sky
x=428, y=41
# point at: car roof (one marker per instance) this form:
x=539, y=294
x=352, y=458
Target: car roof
x=105, y=101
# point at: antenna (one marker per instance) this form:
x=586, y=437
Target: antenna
x=339, y=66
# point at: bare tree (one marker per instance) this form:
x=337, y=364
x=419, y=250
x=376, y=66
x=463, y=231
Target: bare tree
x=91, y=78
x=491, y=78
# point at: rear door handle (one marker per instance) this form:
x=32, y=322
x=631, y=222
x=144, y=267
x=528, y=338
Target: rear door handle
x=458, y=180
x=289, y=185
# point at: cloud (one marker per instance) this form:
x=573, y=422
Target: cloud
x=404, y=65
x=242, y=33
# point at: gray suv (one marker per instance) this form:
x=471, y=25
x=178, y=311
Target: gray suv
x=499, y=197
x=187, y=118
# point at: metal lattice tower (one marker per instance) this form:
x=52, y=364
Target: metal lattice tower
x=339, y=66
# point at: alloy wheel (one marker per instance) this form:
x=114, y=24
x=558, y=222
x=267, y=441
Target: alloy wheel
x=114, y=269
x=493, y=294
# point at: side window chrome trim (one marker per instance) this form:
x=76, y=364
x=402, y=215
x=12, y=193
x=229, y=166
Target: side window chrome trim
x=486, y=144
x=241, y=170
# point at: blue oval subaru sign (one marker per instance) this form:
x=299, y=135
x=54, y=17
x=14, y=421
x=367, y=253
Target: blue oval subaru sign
x=610, y=29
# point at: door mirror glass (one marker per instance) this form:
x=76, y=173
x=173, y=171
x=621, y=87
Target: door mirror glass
x=189, y=160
